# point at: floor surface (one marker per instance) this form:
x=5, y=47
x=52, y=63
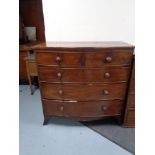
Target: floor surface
x=61, y=136
x=110, y=129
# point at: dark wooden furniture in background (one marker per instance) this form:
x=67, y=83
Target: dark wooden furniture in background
x=31, y=68
x=23, y=52
x=31, y=13
x=85, y=81
x=129, y=118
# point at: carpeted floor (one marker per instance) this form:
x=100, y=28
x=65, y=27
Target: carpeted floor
x=125, y=137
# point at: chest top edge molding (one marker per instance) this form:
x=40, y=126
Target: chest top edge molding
x=83, y=45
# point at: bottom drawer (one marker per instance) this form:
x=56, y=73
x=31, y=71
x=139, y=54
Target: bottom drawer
x=82, y=109
x=129, y=118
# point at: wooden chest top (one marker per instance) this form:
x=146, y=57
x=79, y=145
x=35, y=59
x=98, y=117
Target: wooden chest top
x=86, y=45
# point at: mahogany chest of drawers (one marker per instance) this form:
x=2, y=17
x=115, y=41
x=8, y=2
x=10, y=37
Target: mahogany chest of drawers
x=84, y=81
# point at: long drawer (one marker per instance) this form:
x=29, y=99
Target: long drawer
x=82, y=109
x=83, y=92
x=96, y=58
x=108, y=74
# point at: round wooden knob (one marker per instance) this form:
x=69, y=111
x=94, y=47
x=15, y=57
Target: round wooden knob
x=107, y=75
x=104, y=108
x=90, y=84
x=58, y=59
x=60, y=92
x=61, y=108
x=59, y=75
x=106, y=92
x=108, y=59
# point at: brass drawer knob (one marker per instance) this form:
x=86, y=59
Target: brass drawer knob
x=58, y=59
x=104, y=108
x=59, y=75
x=108, y=59
x=106, y=92
x=60, y=92
x=107, y=75
x=61, y=108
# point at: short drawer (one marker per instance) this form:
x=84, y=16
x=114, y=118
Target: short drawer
x=108, y=57
x=58, y=58
x=83, y=92
x=47, y=58
x=82, y=109
x=108, y=74
x=130, y=118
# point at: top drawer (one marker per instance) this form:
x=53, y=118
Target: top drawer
x=111, y=57
x=54, y=58
x=95, y=58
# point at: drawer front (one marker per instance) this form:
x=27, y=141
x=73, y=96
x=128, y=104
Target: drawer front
x=82, y=109
x=71, y=59
x=83, y=92
x=47, y=58
x=54, y=58
x=52, y=74
x=117, y=57
x=49, y=74
x=51, y=91
x=131, y=101
x=109, y=74
x=130, y=118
